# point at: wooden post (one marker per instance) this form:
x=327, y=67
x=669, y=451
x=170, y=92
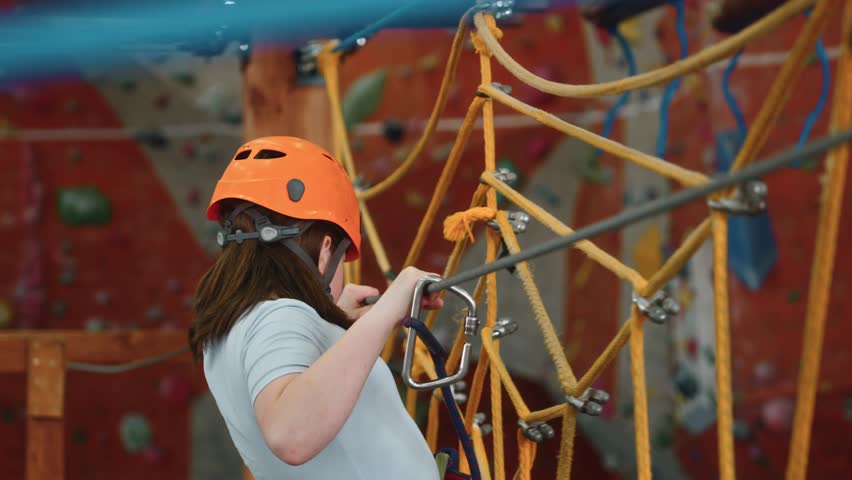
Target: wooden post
x=274, y=105
x=45, y=410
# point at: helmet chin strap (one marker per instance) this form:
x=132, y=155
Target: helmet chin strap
x=267, y=232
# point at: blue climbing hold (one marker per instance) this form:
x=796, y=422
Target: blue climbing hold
x=752, y=249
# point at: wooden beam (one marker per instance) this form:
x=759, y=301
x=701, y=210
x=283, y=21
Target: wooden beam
x=90, y=347
x=274, y=105
x=45, y=402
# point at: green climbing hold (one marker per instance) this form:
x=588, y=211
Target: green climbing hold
x=686, y=383
x=627, y=410
x=589, y=169
x=5, y=315
x=847, y=409
x=8, y=415
x=79, y=437
x=709, y=355
x=74, y=154
x=80, y=206
x=663, y=439
x=95, y=324
x=184, y=78
x=506, y=163
x=128, y=86
x=794, y=296
x=135, y=432
x=363, y=97
x=58, y=308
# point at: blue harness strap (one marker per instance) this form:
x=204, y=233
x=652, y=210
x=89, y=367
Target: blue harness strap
x=438, y=357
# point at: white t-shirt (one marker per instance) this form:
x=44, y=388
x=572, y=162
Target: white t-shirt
x=280, y=337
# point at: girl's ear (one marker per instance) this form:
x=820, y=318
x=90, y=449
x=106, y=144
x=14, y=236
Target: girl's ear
x=324, y=254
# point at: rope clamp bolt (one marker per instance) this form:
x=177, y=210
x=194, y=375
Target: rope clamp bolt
x=591, y=402
x=658, y=308
x=471, y=327
x=505, y=175
x=507, y=89
x=518, y=221
x=537, y=432
x=459, y=392
x=750, y=199
x=479, y=421
x=307, y=67
x=504, y=327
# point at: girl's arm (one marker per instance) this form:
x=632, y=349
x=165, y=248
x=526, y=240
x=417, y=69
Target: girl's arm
x=299, y=414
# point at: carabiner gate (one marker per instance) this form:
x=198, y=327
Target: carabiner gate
x=471, y=326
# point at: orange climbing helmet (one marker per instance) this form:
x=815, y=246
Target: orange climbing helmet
x=293, y=177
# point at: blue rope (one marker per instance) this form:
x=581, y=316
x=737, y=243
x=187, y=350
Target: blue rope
x=729, y=96
x=671, y=88
x=821, y=101
x=612, y=113
x=438, y=354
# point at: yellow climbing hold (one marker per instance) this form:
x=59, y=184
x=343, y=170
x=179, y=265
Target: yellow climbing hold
x=554, y=23
x=648, y=251
x=630, y=29
x=5, y=315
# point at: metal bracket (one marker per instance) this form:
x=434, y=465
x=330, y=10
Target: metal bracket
x=507, y=89
x=658, y=308
x=750, y=199
x=504, y=327
x=505, y=175
x=591, y=402
x=518, y=221
x=307, y=69
x=537, y=432
x=479, y=421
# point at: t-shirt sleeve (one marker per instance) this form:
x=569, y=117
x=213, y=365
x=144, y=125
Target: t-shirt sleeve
x=286, y=340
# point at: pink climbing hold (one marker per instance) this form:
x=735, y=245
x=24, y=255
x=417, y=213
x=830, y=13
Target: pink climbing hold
x=153, y=454
x=692, y=347
x=193, y=197
x=539, y=145
x=533, y=96
x=764, y=372
x=777, y=414
x=603, y=36
x=189, y=150
x=175, y=388
x=161, y=102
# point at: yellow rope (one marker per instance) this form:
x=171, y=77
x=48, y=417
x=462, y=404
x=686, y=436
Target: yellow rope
x=545, y=325
x=444, y=181
x=685, y=177
x=497, y=423
x=669, y=270
x=724, y=397
x=640, y=396
x=593, y=251
x=481, y=455
x=566, y=447
x=434, y=117
x=695, y=62
x=823, y=263
x=328, y=64
x=511, y=390
x=375, y=241
x=526, y=456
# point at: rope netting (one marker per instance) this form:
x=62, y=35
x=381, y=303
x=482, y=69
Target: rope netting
x=484, y=207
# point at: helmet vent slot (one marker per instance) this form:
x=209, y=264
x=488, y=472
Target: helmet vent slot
x=267, y=154
x=243, y=155
x=328, y=157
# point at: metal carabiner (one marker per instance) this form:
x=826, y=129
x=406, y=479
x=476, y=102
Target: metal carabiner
x=471, y=325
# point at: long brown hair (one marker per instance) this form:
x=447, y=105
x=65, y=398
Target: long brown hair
x=248, y=273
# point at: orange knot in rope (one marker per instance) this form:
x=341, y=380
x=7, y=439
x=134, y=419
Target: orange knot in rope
x=457, y=225
x=478, y=44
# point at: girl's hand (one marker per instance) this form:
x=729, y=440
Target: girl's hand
x=351, y=300
x=396, y=301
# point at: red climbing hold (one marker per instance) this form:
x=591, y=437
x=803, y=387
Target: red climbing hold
x=175, y=388
x=533, y=96
x=161, y=102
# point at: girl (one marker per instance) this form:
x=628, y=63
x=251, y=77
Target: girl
x=290, y=355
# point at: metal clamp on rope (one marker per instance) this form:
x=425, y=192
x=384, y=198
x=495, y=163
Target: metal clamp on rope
x=518, y=221
x=505, y=175
x=307, y=67
x=479, y=421
x=471, y=325
x=459, y=392
x=507, y=89
x=658, y=308
x=591, y=402
x=504, y=327
x=537, y=432
x=750, y=199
